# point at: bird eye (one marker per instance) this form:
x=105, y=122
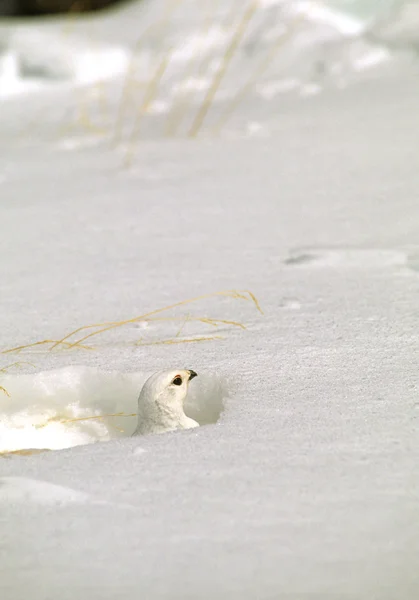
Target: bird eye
x=177, y=380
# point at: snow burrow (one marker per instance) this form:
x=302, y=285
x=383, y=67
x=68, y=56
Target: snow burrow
x=53, y=409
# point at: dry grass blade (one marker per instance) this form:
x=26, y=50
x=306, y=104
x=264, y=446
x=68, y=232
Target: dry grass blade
x=179, y=341
x=182, y=326
x=228, y=55
x=4, y=370
x=202, y=69
x=19, y=348
x=16, y=364
x=243, y=295
x=42, y=343
x=77, y=419
x=189, y=319
x=217, y=322
x=160, y=24
x=150, y=94
x=244, y=91
x=179, y=110
x=99, y=328
x=24, y=452
x=82, y=119
x=255, y=301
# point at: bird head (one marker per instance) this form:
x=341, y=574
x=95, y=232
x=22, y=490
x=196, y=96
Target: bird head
x=161, y=401
x=169, y=387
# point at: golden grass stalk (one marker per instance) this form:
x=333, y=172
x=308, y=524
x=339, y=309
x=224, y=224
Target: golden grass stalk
x=120, y=414
x=182, y=326
x=82, y=118
x=159, y=25
x=24, y=452
x=202, y=69
x=176, y=115
x=41, y=343
x=16, y=364
x=99, y=328
x=149, y=97
x=219, y=75
x=189, y=319
x=102, y=327
x=244, y=91
x=5, y=369
x=101, y=417
x=181, y=341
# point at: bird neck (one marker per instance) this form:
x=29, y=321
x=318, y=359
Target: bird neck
x=170, y=412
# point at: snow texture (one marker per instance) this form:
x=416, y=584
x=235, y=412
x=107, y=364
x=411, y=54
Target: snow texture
x=303, y=480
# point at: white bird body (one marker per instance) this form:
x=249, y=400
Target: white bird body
x=161, y=402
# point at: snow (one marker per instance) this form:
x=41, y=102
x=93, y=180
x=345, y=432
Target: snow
x=302, y=480
x=21, y=489
x=32, y=61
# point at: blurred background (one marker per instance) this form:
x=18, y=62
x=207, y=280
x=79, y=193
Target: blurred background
x=44, y=7
x=41, y=7
x=127, y=71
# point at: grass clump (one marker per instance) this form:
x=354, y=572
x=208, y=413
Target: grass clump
x=77, y=338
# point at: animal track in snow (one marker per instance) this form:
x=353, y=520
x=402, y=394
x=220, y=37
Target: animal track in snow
x=355, y=258
x=24, y=489
x=35, y=491
x=413, y=261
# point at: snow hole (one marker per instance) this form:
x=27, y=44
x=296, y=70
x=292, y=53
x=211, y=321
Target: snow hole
x=54, y=409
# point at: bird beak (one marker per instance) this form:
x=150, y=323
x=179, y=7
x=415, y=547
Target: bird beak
x=192, y=374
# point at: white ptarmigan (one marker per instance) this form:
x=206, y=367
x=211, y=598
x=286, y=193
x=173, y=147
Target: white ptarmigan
x=161, y=402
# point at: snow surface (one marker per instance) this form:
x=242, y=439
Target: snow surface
x=303, y=480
